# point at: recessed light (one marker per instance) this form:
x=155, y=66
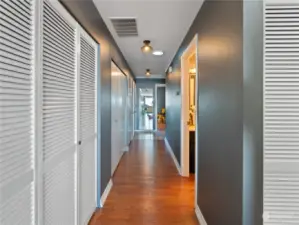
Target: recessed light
x=157, y=53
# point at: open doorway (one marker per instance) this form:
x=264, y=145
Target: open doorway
x=189, y=125
x=146, y=109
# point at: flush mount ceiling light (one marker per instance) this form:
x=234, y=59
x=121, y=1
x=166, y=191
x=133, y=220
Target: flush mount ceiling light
x=148, y=72
x=158, y=53
x=146, y=48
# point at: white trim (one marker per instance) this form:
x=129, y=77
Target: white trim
x=155, y=102
x=77, y=126
x=96, y=120
x=134, y=108
x=38, y=114
x=106, y=192
x=127, y=112
x=177, y=165
x=126, y=149
x=193, y=46
x=199, y=216
x=264, y=71
x=196, y=121
x=98, y=139
x=140, y=107
x=89, y=217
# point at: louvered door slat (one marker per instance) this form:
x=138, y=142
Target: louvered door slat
x=16, y=113
x=58, y=66
x=281, y=112
x=87, y=165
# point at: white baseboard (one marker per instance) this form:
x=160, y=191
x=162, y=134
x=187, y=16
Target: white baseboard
x=199, y=216
x=125, y=149
x=89, y=218
x=173, y=156
x=106, y=192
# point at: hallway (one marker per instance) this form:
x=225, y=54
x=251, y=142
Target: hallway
x=147, y=189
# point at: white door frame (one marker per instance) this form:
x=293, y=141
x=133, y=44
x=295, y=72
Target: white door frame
x=192, y=47
x=155, y=102
x=133, y=108
x=139, y=110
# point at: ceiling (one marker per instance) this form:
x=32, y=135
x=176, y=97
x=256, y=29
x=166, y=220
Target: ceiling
x=164, y=22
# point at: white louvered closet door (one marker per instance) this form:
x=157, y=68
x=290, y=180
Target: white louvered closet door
x=87, y=135
x=281, y=113
x=16, y=113
x=59, y=96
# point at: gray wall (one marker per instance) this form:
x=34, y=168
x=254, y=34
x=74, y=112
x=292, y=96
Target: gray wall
x=253, y=113
x=145, y=83
x=160, y=98
x=88, y=16
x=230, y=172
x=173, y=108
x=219, y=25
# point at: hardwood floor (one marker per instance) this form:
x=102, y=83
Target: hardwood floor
x=147, y=189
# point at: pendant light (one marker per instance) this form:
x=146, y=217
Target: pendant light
x=146, y=48
x=148, y=72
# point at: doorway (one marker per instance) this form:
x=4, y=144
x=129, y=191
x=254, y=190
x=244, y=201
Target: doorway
x=189, y=123
x=146, y=109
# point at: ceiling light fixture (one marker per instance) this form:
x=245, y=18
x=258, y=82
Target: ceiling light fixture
x=147, y=46
x=148, y=72
x=158, y=53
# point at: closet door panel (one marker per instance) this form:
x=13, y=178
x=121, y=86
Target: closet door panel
x=281, y=112
x=58, y=71
x=123, y=108
x=116, y=122
x=16, y=112
x=87, y=151
x=130, y=110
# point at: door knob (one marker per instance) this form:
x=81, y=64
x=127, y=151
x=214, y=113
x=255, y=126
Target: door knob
x=79, y=142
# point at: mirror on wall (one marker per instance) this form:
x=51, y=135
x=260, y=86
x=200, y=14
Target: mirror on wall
x=192, y=75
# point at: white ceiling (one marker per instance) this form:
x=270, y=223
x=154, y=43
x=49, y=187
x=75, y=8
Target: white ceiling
x=164, y=22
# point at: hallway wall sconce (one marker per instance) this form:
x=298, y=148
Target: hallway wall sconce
x=192, y=71
x=146, y=48
x=148, y=72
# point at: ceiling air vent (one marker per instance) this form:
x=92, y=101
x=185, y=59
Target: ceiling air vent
x=125, y=27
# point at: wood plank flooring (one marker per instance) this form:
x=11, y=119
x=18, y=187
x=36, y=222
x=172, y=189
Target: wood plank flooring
x=147, y=189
